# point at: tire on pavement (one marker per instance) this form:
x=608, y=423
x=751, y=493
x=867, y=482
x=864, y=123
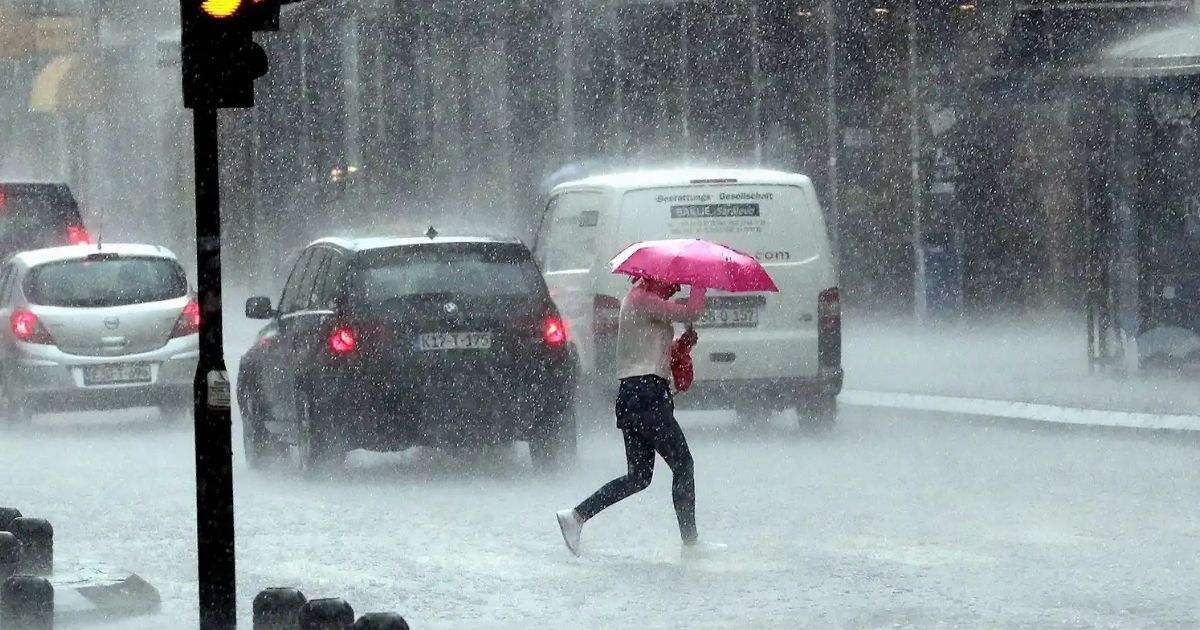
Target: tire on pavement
x=818, y=413
x=318, y=450
x=262, y=448
x=15, y=410
x=554, y=441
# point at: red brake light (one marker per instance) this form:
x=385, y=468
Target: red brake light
x=78, y=236
x=829, y=308
x=188, y=322
x=26, y=327
x=555, y=331
x=606, y=310
x=342, y=340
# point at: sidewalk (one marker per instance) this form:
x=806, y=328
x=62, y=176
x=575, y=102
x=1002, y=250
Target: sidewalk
x=990, y=363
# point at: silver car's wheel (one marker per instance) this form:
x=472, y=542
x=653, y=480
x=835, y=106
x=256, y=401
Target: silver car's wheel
x=13, y=407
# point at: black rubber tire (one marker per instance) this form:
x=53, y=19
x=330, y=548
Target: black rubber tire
x=178, y=409
x=262, y=449
x=818, y=413
x=554, y=442
x=318, y=453
x=753, y=417
x=14, y=411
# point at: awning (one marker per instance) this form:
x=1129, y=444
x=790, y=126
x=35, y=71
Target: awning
x=1045, y=54
x=67, y=83
x=1169, y=52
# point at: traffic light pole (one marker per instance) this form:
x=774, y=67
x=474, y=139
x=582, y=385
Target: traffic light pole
x=214, y=448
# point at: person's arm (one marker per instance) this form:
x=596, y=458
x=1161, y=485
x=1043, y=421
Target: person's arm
x=669, y=311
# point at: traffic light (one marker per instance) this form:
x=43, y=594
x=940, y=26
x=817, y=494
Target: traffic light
x=220, y=59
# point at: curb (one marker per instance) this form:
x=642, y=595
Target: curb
x=1032, y=412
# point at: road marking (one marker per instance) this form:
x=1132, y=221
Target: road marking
x=1021, y=411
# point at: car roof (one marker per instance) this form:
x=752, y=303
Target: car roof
x=385, y=242
x=35, y=257
x=653, y=178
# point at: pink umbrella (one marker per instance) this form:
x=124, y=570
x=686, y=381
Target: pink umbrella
x=694, y=262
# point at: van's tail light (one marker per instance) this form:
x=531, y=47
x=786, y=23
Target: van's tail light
x=606, y=311
x=342, y=340
x=76, y=235
x=26, y=327
x=554, y=332
x=829, y=328
x=189, y=320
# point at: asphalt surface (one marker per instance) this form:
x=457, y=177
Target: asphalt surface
x=893, y=520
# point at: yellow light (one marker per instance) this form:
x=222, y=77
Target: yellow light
x=880, y=11
x=220, y=8
x=967, y=6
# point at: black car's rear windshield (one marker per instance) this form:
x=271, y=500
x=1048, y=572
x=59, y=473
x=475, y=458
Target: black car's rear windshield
x=105, y=282
x=470, y=270
x=34, y=216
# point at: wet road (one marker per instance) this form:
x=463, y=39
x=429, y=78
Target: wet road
x=892, y=520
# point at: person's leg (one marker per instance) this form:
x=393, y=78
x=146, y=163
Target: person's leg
x=671, y=444
x=639, y=459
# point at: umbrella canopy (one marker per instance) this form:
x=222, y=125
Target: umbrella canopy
x=694, y=262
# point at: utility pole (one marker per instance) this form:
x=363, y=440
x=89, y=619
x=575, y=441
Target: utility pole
x=829, y=11
x=220, y=62
x=914, y=152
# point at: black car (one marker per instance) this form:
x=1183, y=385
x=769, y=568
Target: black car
x=383, y=344
x=36, y=216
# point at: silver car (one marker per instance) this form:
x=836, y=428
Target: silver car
x=96, y=327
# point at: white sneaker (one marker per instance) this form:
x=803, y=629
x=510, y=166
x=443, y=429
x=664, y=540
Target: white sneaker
x=702, y=549
x=571, y=526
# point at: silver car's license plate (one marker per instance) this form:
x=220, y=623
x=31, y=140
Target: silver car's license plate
x=453, y=341
x=116, y=373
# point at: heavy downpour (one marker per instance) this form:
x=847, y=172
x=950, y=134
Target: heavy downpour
x=377, y=314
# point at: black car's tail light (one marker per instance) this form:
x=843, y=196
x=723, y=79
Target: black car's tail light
x=342, y=340
x=554, y=331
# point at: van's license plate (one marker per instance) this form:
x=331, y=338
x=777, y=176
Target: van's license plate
x=116, y=373
x=746, y=317
x=430, y=342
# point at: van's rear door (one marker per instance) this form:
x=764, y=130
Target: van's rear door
x=566, y=252
x=747, y=336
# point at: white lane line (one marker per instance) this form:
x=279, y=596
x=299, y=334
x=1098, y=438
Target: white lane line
x=1022, y=411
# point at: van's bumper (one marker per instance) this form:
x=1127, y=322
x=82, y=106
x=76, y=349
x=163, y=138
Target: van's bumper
x=772, y=393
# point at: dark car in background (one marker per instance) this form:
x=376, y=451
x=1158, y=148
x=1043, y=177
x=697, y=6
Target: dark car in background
x=383, y=344
x=37, y=216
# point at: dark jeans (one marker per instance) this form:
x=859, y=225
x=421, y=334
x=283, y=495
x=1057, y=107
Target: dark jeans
x=646, y=416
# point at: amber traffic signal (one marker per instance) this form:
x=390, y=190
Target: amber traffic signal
x=220, y=58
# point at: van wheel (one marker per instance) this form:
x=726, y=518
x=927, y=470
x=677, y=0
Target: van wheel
x=553, y=444
x=753, y=416
x=818, y=413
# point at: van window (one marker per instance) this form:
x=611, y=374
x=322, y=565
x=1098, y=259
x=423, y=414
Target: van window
x=569, y=235
x=772, y=223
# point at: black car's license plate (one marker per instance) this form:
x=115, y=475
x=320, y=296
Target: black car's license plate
x=433, y=342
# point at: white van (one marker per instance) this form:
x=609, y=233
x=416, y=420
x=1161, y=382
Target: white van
x=758, y=353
